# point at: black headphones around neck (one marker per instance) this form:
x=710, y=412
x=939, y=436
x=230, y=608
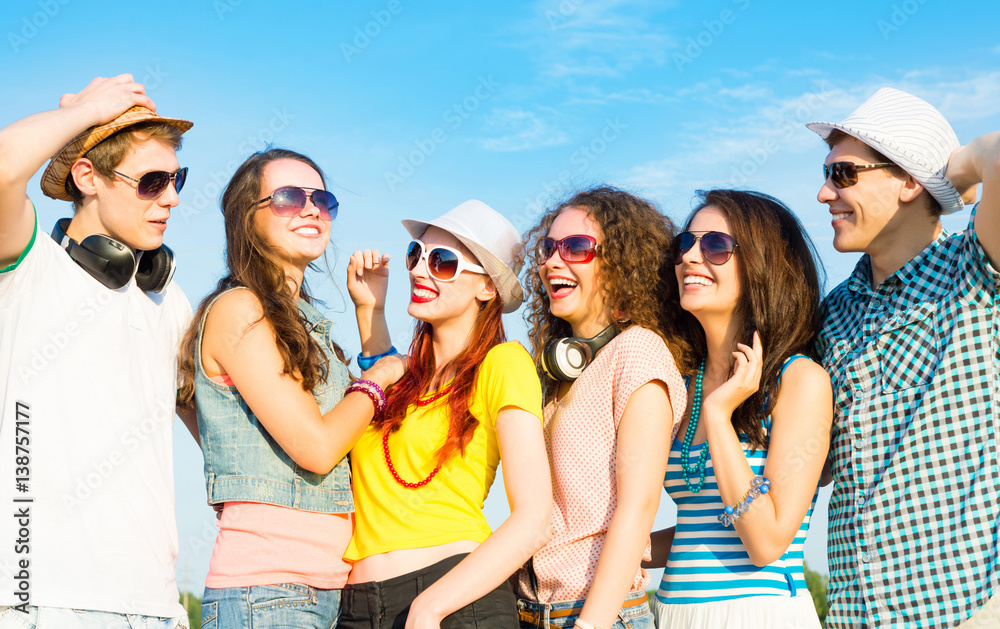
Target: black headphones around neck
x=113, y=264
x=565, y=359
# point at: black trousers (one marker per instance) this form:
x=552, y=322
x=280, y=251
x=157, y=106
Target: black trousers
x=385, y=604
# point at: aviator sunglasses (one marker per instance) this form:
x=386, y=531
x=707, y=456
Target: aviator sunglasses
x=576, y=248
x=152, y=184
x=290, y=200
x=845, y=174
x=443, y=263
x=716, y=247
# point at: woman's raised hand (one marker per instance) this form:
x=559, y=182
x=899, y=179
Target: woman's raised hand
x=745, y=379
x=368, y=278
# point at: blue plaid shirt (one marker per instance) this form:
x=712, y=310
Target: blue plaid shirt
x=916, y=373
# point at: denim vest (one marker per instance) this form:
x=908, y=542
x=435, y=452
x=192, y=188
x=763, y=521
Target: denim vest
x=244, y=463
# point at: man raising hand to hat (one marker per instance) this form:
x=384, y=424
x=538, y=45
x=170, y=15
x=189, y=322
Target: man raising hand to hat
x=911, y=340
x=89, y=330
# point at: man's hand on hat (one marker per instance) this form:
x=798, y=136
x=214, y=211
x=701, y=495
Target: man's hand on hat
x=105, y=99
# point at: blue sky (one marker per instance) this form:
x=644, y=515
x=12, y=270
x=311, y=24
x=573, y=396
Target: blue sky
x=412, y=108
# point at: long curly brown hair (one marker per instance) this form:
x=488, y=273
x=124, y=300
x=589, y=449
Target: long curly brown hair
x=779, y=297
x=254, y=264
x=635, y=271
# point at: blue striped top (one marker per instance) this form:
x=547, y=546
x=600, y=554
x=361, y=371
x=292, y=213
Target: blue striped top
x=707, y=561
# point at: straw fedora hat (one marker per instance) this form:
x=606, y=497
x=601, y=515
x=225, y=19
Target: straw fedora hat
x=491, y=238
x=54, y=177
x=911, y=133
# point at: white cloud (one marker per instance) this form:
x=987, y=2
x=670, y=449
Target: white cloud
x=594, y=38
x=958, y=98
x=520, y=130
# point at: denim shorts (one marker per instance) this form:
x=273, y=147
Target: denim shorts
x=385, y=604
x=280, y=605
x=631, y=617
x=65, y=618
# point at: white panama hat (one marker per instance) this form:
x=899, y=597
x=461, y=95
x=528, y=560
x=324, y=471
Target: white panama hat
x=491, y=238
x=911, y=133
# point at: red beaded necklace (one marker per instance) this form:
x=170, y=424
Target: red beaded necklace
x=385, y=446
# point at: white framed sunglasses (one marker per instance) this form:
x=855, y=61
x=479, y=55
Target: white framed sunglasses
x=443, y=263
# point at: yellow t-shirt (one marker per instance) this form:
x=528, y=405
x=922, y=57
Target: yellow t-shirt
x=389, y=516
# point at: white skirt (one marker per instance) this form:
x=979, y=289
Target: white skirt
x=754, y=612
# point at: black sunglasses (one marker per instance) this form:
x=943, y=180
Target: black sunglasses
x=152, y=184
x=845, y=174
x=290, y=200
x=716, y=247
x=577, y=248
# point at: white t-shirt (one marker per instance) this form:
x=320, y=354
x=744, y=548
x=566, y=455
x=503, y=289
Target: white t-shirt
x=93, y=373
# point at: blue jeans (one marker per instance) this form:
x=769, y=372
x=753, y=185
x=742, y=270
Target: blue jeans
x=64, y=618
x=631, y=617
x=259, y=606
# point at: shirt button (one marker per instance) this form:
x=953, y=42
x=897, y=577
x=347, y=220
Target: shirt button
x=858, y=444
x=860, y=502
x=865, y=557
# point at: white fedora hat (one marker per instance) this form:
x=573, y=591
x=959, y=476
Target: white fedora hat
x=911, y=133
x=491, y=238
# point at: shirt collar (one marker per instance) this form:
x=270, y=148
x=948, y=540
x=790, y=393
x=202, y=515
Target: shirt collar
x=860, y=281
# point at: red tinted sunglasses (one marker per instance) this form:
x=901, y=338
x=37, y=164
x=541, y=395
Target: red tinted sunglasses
x=577, y=248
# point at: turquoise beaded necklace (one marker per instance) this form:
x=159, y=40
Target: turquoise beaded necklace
x=699, y=466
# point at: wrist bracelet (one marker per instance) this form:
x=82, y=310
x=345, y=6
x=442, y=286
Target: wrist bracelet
x=758, y=486
x=374, y=393
x=371, y=395
x=373, y=386
x=366, y=362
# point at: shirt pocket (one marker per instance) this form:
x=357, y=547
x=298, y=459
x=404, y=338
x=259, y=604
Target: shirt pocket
x=909, y=348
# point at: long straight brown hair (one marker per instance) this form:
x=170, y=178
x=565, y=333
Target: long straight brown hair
x=254, y=264
x=779, y=294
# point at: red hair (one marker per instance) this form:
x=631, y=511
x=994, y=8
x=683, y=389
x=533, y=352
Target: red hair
x=487, y=333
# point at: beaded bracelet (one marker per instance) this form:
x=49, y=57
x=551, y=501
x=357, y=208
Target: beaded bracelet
x=758, y=486
x=374, y=387
x=374, y=393
x=366, y=362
